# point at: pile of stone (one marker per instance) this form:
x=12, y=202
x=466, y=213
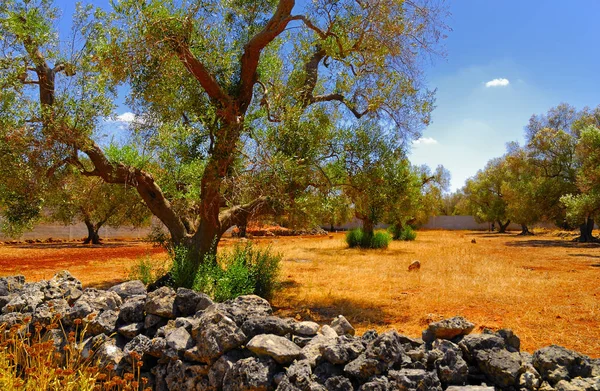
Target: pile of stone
x=187, y=342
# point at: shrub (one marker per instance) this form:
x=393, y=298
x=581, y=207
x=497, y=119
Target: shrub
x=357, y=238
x=404, y=233
x=146, y=271
x=354, y=238
x=380, y=239
x=182, y=272
x=244, y=270
x=408, y=233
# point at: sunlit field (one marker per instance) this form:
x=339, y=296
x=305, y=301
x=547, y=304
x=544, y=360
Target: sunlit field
x=546, y=288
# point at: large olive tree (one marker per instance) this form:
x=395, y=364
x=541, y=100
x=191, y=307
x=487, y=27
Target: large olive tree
x=206, y=77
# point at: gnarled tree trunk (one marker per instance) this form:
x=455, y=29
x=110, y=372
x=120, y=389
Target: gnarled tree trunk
x=525, y=230
x=93, y=232
x=585, y=230
x=502, y=227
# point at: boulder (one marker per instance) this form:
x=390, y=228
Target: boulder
x=128, y=289
x=579, y=384
x=188, y=302
x=161, y=302
x=555, y=363
x=132, y=310
x=131, y=330
x=105, y=323
x=447, y=329
x=221, y=367
x=469, y=344
x=11, y=284
x=500, y=367
x=250, y=374
x=451, y=367
x=342, y=326
x=342, y=350
x=216, y=334
x=179, y=340
x=243, y=307
x=279, y=348
x=415, y=379
x=266, y=325
x=306, y=329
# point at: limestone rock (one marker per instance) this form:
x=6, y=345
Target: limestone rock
x=188, y=302
x=266, y=325
x=555, y=363
x=216, y=334
x=250, y=374
x=307, y=329
x=342, y=326
x=161, y=302
x=279, y=348
x=447, y=329
x=128, y=289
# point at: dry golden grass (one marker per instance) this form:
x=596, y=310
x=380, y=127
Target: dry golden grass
x=545, y=288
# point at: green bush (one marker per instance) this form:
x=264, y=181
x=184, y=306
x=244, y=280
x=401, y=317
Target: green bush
x=244, y=270
x=357, y=238
x=354, y=238
x=404, y=233
x=408, y=233
x=380, y=239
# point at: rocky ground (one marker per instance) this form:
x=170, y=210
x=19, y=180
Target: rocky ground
x=187, y=342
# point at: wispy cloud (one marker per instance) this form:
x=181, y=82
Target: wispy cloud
x=126, y=117
x=497, y=83
x=425, y=140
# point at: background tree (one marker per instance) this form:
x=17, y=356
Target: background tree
x=95, y=203
x=584, y=208
x=484, y=197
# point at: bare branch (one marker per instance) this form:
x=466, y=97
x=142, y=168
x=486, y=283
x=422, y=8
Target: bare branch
x=249, y=62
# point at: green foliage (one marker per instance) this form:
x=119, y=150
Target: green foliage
x=241, y=271
x=406, y=233
x=146, y=271
x=183, y=270
x=358, y=238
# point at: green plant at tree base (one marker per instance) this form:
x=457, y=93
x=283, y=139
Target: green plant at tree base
x=358, y=238
x=403, y=233
x=241, y=271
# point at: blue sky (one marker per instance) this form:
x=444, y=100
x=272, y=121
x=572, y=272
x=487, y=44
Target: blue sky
x=540, y=53
x=547, y=52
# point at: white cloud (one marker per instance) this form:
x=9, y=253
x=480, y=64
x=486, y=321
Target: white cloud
x=425, y=140
x=497, y=83
x=126, y=117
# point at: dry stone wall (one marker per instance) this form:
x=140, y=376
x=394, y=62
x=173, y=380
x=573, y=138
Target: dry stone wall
x=186, y=342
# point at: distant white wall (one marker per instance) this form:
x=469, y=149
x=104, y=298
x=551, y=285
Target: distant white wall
x=78, y=231
x=437, y=222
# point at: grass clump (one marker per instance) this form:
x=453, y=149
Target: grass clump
x=406, y=233
x=358, y=238
x=241, y=271
x=146, y=271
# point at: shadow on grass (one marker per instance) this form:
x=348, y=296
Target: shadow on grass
x=584, y=255
x=536, y=243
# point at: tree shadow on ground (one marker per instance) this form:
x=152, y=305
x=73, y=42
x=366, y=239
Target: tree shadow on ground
x=357, y=313
x=536, y=243
x=493, y=234
x=335, y=252
x=584, y=255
